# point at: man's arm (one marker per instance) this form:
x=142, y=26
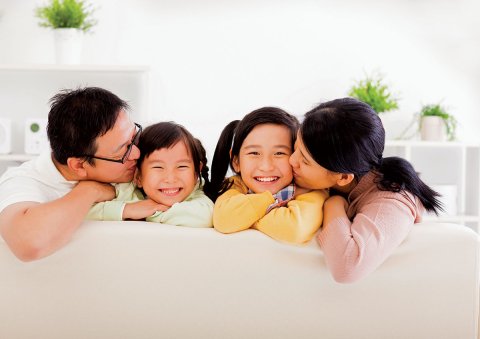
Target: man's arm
x=34, y=230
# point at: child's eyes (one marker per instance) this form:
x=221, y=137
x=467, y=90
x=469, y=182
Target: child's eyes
x=253, y=153
x=281, y=153
x=179, y=167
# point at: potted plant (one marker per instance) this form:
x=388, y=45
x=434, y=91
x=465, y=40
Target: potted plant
x=69, y=20
x=374, y=92
x=436, y=124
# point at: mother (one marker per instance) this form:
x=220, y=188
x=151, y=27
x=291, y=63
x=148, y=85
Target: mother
x=374, y=200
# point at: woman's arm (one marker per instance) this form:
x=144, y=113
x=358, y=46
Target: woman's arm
x=298, y=221
x=353, y=249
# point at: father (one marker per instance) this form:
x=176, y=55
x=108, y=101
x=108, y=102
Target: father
x=44, y=201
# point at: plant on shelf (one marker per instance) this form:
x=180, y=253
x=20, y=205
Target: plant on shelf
x=66, y=14
x=436, y=123
x=374, y=92
x=69, y=20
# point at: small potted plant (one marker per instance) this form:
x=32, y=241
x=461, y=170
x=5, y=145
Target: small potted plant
x=69, y=19
x=374, y=92
x=436, y=124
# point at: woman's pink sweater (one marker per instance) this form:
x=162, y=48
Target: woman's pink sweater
x=376, y=223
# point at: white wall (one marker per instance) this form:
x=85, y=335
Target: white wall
x=216, y=60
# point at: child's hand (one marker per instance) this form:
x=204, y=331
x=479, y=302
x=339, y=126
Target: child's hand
x=282, y=197
x=142, y=209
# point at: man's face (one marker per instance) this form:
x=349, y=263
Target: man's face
x=113, y=145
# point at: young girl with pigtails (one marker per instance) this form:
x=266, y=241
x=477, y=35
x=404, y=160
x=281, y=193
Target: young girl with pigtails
x=261, y=195
x=171, y=174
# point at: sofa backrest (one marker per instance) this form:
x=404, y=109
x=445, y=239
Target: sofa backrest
x=145, y=280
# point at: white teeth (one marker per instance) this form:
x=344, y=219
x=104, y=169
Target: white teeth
x=266, y=179
x=170, y=191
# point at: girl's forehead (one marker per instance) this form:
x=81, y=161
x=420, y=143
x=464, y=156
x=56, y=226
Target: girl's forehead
x=268, y=134
x=177, y=150
x=182, y=145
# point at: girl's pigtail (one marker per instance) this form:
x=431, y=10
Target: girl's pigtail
x=221, y=161
x=203, y=159
x=399, y=175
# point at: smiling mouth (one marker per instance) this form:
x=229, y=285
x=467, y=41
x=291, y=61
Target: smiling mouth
x=170, y=191
x=266, y=179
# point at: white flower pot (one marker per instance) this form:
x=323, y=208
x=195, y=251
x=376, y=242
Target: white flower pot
x=392, y=123
x=387, y=123
x=433, y=128
x=68, y=45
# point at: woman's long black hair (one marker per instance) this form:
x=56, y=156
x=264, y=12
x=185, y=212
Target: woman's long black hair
x=166, y=135
x=347, y=136
x=231, y=140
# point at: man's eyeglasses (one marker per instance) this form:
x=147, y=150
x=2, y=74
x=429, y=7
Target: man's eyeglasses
x=136, y=137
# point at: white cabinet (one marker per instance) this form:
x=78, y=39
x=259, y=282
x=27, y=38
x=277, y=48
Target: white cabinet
x=25, y=91
x=452, y=168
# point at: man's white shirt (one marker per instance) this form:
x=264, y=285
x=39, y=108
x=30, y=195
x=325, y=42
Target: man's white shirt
x=36, y=180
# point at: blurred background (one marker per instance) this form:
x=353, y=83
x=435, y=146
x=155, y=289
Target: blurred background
x=213, y=61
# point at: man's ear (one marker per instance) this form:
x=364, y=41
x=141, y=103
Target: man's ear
x=77, y=166
x=345, y=179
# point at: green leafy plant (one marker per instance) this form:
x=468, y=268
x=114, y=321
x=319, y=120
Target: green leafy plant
x=66, y=14
x=437, y=110
x=374, y=92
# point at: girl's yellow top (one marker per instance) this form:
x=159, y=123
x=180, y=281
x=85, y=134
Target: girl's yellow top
x=235, y=211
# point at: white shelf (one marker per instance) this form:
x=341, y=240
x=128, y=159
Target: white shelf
x=420, y=143
x=27, y=88
x=446, y=163
x=17, y=157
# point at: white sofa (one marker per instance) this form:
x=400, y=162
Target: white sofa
x=144, y=280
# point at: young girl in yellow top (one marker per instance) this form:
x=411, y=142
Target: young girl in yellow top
x=261, y=195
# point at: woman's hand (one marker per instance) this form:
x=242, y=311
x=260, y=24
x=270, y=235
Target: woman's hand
x=142, y=209
x=334, y=207
x=336, y=202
